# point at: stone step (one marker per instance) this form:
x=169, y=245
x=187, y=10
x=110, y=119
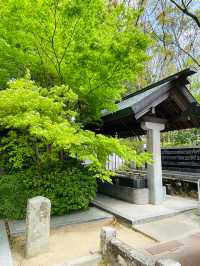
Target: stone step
x=138, y=214
x=92, y=260
x=17, y=227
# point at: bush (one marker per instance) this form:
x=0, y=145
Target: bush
x=68, y=189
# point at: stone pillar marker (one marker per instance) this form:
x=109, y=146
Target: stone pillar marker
x=107, y=233
x=37, y=226
x=154, y=170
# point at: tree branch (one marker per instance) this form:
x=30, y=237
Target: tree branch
x=52, y=40
x=185, y=10
x=141, y=3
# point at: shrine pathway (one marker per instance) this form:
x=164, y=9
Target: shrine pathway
x=185, y=250
x=138, y=214
x=172, y=228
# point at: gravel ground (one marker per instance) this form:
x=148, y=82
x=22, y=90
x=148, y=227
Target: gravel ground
x=71, y=242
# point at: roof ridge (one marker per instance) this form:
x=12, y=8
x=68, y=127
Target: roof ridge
x=185, y=72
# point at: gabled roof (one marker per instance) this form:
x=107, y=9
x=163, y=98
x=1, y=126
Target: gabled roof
x=169, y=99
x=184, y=74
x=133, y=100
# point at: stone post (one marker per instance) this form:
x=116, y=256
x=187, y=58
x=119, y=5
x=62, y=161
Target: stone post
x=37, y=226
x=154, y=170
x=167, y=262
x=107, y=234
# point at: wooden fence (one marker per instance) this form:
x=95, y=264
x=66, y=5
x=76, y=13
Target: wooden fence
x=181, y=159
x=173, y=159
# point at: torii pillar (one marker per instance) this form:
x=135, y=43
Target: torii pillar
x=154, y=170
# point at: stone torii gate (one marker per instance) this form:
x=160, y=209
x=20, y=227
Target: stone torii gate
x=163, y=106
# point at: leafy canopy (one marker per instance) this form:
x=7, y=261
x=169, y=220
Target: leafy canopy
x=82, y=56
x=91, y=46
x=38, y=123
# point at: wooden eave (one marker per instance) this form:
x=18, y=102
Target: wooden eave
x=169, y=98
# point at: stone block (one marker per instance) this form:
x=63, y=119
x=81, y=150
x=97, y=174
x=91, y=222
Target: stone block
x=91, y=260
x=141, y=196
x=137, y=196
x=107, y=233
x=116, y=253
x=37, y=226
x=167, y=262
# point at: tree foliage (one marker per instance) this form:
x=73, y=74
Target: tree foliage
x=69, y=188
x=39, y=123
x=80, y=55
x=91, y=46
x=174, y=29
x=174, y=26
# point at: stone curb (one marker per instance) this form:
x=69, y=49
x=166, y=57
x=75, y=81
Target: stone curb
x=91, y=260
x=112, y=211
x=5, y=252
x=17, y=227
x=162, y=216
x=129, y=220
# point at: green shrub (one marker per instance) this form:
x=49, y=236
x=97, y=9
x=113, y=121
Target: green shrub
x=68, y=189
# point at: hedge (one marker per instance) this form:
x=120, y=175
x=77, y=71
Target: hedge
x=68, y=189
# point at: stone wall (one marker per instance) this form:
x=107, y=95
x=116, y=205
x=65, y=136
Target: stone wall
x=116, y=253
x=137, y=196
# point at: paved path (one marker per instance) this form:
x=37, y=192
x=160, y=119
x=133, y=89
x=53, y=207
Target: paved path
x=137, y=214
x=185, y=250
x=172, y=228
x=17, y=227
x=179, y=236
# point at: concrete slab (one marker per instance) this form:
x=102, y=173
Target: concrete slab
x=185, y=250
x=17, y=227
x=137, y=214
x=171, y=228
x=5, y=253
x=166, y=247
x=92, y=260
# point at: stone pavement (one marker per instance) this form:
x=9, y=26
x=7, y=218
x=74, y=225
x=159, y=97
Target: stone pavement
x=171, y=228
x=17, y=227
x=179, y=236
x=185, y=250
x=92, y=260
x=137, y=214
